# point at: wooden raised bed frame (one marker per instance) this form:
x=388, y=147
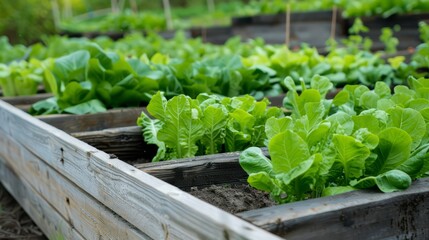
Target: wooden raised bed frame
x=313, y=28
x=72, y=188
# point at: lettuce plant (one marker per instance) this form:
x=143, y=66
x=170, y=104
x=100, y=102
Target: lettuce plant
x=20, y=78
x=360, y=139
x=184, y=127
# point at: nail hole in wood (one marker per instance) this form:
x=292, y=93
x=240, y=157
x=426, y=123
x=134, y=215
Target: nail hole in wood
x=67, y=201
x=62, y=156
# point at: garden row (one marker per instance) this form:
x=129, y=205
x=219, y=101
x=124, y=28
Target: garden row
x=90, y=79
x=314, y=28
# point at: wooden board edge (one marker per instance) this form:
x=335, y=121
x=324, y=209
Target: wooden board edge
x=88, y=216
x=51, y=223
x=362, y=214
x=156, y=208
x=96, y=121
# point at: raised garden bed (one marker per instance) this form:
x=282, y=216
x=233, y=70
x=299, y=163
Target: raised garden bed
x=216, y=34
x=313, y=28
x=70, y=187
x=116, y=35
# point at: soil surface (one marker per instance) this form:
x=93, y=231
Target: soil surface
x=14, y=222
x=233, y=198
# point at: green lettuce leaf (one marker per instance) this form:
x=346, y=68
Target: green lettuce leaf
x=183, y=127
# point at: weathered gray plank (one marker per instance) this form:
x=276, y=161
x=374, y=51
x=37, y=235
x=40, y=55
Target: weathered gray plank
x=155, y=207
x=353, y=215
x=88, y=216
x=25, y=100
x=49, y=221
x=92, y=122
x=126, y=143
x=198, y=171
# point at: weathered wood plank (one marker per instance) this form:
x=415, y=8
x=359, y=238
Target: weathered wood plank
x=153, y=206
x=126, y=143
x=354, y=215
x=93, y=122
x=25, y=100
x=198, y=171
x=48, y=220
x=87, y=215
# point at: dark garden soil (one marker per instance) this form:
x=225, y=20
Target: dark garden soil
x=14, y=222
x=233, y=198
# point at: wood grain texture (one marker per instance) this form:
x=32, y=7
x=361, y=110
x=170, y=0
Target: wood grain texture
x=198, y=171
x=25, y=100
x=88, y=216
x=126, y=143
x=354, y=215
x=48, y=220
x=92, y=122
x=155, y=207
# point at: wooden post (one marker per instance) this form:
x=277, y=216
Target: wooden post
x=121, y=5
x=134, y=6
x=167, y=13
x=68, y=11
x=56, y=14
x=114, y=5
x=334, y=22
x=204, y=34
x=287, y=37
x=211, y=5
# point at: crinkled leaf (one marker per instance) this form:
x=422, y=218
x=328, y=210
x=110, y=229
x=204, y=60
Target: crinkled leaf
x=214, y=122
x=182, y=129
x=157, y=106
x=366, y=121
x=314, y=112
x=366, y=137
x=382, y=90
x=393, y=149
x=150, y=128
x=72, y=66
x=316, y=135
x=410, y=121
x=415, y=163
x=352, y=155
x=297, y=171
x=322, y=84
x=343, y=121
x=287, y=150
x=275, y=125
x=91, y=106
x=369, y=100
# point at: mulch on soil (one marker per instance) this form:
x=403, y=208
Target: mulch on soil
x=14, y=222
x=233, y=198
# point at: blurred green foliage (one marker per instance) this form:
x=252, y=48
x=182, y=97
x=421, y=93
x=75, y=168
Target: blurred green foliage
x=25, y=21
